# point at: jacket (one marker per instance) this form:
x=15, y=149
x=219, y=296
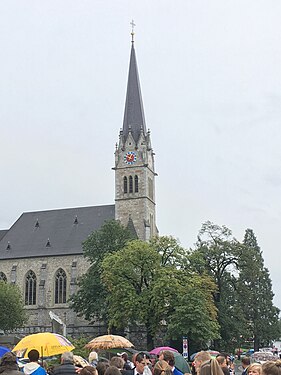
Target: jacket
x=33, y=368
x=66, y=368
x=10, y=370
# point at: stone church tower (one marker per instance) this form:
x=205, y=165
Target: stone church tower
x=42, y=251
x=134, y=164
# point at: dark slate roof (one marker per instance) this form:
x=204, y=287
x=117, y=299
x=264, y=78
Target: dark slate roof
x=2, y=233
x=132, y=228
x=134, y=115
x=53, y=232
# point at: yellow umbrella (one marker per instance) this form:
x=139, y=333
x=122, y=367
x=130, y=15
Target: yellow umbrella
x=46, y=343
x=109, y=342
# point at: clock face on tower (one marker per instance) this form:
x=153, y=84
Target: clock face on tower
x=130, y=157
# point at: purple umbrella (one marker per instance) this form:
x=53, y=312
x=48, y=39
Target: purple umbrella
x=157, y=350
x=3, y=350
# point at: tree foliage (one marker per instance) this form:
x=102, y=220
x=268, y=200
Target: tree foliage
x=218, y=291
x=11, y=306
x=79, y=344
x=216, y=254
x=194, y=314
x=219, y=252
x=128, y=276
x=256, y=295
x=144, y=289
x=172, y=254
x=243, y=297
x=90, y=299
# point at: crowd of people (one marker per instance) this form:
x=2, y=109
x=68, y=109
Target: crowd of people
x=141, y=364
x=223, y=365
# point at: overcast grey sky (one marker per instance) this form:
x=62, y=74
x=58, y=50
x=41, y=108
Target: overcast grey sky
x=211, y=83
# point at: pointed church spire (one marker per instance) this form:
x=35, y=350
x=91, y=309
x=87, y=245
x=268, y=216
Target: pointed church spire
x=134, y=120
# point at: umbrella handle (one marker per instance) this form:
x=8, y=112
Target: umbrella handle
x=42, y=356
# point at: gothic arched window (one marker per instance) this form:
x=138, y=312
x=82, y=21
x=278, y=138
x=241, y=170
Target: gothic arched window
x=136, y=184
x=30, y=288
x=3, y=277
x=130, y=184
x=60, y=286
x=125, y=185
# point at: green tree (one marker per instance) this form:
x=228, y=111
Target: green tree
x=217, y=254
x=79, y=344
x=172, y=254
x=255, y=294
x=194, y=313
x=143, y=291
x=128, y=275
x=90, y=299
x=11, y=306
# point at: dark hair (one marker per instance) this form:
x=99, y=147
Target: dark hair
x=162, y=368
x=139, y=357
x=88, y=370
x=223, y=354
x=112, y=370
x=117, y=362
x=102, y=367
x=169, y=357
x=33, y=355
x=125, y=356
x=246, y=361
x=272, y=368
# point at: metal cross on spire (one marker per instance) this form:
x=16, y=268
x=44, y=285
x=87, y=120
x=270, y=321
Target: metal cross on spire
x=132, y=23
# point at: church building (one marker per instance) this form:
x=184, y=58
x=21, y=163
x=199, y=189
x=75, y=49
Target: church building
x=42, y=251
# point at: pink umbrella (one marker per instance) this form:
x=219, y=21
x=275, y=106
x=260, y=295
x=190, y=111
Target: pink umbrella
x=157, y=350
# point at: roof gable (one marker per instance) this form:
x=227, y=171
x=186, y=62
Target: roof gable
x=53, y=232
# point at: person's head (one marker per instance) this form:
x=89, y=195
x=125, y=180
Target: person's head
x=254, y=369
x=102, y=367
x=9, y=360
x=124, y=355
x=88, y=370
x=66, y=357
x=112, y=370
x=148, y=360
x=33, y=355
x=221, y=361
x=223, y=354
x=271, y=368
x=93, y=357
x=167, y=356
x=245, y=361
x=117, y=362
x=211, y=367
x=200, y=358
x=162, y=368
x=226, y=356
x=140, y=362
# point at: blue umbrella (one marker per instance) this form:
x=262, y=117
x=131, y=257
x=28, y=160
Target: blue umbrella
x=181, y=363
x=3, y=350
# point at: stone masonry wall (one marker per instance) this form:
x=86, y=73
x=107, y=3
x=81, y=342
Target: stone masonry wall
x=137, y=205
x=45, y=269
